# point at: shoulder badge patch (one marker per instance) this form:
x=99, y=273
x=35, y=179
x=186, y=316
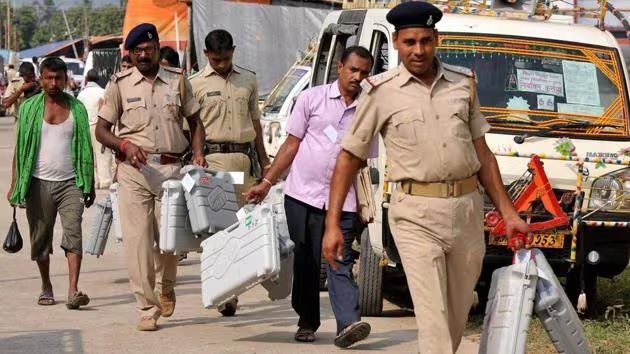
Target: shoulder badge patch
x=459, y=70
x=119, y=75
x=373, y=82
x=192, y=76
x=242, y=68
x=173, y=70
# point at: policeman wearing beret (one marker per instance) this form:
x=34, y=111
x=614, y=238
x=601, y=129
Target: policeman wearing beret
x=427, y=113
x=147, y=103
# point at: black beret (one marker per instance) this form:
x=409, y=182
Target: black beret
x=413, y=14
x=143, y=32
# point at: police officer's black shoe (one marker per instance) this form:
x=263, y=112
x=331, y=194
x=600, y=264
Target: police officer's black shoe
x=229, y=308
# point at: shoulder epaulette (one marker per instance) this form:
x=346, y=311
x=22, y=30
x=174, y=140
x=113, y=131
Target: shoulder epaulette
x=459, y=70
x=174, y=70
x=119, y=75
x=372, y=82
x=193, y=75
x=242, y=68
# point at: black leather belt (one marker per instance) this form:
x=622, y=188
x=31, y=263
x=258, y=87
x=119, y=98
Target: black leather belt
x=164, y=159
x=227, y=148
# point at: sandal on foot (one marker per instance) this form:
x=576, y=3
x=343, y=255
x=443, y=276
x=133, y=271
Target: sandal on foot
x=355, y=332
x=305, y=335
x=46, y=298
x=77, y=300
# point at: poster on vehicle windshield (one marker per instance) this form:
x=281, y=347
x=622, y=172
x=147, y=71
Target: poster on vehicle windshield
x=540, y=82
x=580, y=80
x=546, y=102
x=580, y=109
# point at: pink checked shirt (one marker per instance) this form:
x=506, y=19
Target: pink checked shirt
x=320, y=119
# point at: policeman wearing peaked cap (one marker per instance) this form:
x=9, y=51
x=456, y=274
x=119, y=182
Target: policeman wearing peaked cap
x=414, y=14
x=427, y=113
x=148, y=104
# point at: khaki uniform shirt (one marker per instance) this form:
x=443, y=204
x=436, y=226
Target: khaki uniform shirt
x=11, y=74
x=14, y=85
x=427, y=130
x=150, y=114
x=228, y=106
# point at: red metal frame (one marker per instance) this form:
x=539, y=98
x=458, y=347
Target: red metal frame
x=538, y=188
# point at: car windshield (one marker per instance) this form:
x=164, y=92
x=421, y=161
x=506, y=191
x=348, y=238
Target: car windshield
x=75, y=68
x=532, y=86
x=276, y=98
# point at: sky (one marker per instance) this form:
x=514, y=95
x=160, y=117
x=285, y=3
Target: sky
x=69, y=3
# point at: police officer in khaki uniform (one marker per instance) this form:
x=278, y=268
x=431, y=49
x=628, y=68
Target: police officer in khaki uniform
x=228, y=95
x=147, y=103
x=429, y=118
x=20, y=88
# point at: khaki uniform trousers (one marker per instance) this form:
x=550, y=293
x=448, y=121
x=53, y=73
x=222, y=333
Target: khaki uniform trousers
x=441, y=245
x=139, y=197
x=103, y=162
x=233, y=162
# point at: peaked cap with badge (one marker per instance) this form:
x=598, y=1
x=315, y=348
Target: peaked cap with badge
x=414, y=14
x=143, y=32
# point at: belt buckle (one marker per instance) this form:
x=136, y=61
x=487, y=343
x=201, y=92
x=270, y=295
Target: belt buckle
x=406, y=187
x=450, y=189
x=154, y=158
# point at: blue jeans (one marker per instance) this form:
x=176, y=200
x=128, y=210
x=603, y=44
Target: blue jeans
x=306, y=227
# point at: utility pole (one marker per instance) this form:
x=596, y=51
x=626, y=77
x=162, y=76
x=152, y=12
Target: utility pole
x=86, y=30
x=65, y=19
x=8, y=35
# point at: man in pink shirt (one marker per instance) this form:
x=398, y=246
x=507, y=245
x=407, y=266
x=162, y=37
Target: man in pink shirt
x=317, y=124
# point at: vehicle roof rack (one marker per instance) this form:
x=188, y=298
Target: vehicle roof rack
x=520, y=9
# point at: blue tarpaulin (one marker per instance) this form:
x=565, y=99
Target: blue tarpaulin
x=42, y=50
x=4, y=53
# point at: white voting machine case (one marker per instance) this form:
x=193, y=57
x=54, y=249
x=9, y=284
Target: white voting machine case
x=210, y=199
x=100, y=228
x=280, y=287
x=175, y=232
x=239, y=257
x=509, y=308
x=555, y=311
x=113, y=196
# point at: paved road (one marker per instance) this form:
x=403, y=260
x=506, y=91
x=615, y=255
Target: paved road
x=107, y=324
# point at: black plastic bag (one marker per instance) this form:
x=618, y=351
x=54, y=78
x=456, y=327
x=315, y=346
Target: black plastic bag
x=13, y=242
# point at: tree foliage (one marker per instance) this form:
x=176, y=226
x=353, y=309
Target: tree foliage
x=43, y=23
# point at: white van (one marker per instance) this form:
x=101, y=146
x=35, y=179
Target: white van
x=278, y=106
x=538, y=82
x=76, y=67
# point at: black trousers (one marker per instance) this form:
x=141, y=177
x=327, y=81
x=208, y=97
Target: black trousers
x=306, y=226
